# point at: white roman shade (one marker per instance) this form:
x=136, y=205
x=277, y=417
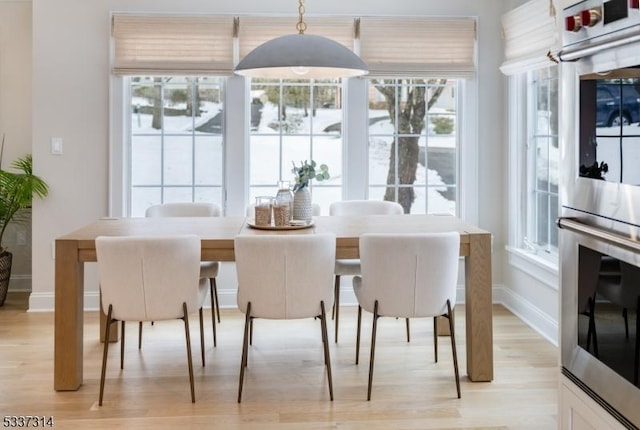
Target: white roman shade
x=185, y=45
x=254, y=30
x=530, y=33
x=419, y=47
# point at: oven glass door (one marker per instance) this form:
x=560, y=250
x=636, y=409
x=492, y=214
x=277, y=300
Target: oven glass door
x=600, y=301
x=608, y=299
x=610, y=126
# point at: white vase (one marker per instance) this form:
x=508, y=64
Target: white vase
x=302, y=208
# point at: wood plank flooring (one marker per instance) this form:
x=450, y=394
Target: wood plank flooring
x=285, y=385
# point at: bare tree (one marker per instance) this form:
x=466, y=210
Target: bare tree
x=409, y=124
x=156, y=121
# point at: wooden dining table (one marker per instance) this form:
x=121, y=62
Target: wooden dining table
x=217, y=237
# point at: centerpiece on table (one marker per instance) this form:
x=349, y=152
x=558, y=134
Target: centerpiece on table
x=302, y=208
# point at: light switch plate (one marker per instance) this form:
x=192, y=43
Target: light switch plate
x=56, y=145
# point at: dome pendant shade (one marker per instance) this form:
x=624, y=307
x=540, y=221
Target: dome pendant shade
x=301, y=56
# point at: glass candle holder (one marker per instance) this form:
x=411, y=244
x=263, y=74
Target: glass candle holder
x=263, y=210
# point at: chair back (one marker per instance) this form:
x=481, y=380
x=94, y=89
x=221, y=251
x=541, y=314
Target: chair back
x=186, y=209
x=285, y=276
x=149, y=278
x=411, y=275
x=365, y=207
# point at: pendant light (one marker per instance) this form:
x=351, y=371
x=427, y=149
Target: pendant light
x=301, y=56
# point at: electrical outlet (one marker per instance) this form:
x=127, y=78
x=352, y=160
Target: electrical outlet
x=21, y=237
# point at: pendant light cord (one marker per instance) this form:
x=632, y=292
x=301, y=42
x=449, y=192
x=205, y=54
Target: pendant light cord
x=301, y=26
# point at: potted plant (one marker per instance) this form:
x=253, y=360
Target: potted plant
x=302, y=208
x=306, y=172
x=17, y=189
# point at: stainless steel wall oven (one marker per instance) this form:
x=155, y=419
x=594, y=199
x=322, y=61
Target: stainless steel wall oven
x=600, y=202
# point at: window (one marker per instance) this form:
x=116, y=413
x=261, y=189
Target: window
x=293, y=121
x=176, y=141
x=542, y=157
x=413, y=151
x=173, y=125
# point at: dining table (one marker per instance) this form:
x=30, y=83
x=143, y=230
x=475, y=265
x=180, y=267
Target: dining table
x=217, y=236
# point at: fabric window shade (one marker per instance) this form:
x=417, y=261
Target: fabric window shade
x=189, y=45
x=418, y=47
x=254, y=30
x=530, y=33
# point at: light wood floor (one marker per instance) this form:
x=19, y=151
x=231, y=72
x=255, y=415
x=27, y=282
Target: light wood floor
x=285, y=385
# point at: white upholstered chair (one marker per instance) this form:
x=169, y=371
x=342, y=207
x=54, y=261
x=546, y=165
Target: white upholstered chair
x=285, y=277
x=150, y=279
x=408, y=276
x=208, y=269
x=351, y=267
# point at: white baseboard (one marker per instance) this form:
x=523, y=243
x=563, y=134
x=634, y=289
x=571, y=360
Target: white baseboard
x=518, y=305
x=45, y=302
x=528, y=313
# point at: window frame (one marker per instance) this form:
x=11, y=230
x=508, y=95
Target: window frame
x=355, y=146
x=310, y=137
x=127, y=165
x=424, y=134
x=522, y=173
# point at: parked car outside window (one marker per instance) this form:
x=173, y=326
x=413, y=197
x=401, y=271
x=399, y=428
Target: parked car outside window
x=617, y=103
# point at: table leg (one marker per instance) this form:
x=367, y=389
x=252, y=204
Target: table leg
x=478, y=308
x=69, y=307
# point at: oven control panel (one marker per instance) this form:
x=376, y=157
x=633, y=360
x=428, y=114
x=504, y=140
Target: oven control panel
x=594, y=19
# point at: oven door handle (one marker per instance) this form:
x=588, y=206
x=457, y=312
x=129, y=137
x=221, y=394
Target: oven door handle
x=572, y=54
x=615, y=239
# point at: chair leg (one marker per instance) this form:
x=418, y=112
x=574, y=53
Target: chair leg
x=251, y=331
x=435, y=337
x=625, y=315
x=214, y=303
x=245, y=350
x=358, y=334
x=201, y=335
x=105, y=352
x=408, y=331
x=214, y=294
x=453, y=346
x=185, y=318
x=336, y=305
x=592, y=326
x=325, y=344
x=336, y=282
x=140, y=335
x=122, y=345
x=373, y=348
x=637, y=357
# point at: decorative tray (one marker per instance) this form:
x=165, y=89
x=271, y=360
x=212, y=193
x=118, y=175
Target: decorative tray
x=298, y=226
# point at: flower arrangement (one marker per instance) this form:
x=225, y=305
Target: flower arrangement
x=307, y=171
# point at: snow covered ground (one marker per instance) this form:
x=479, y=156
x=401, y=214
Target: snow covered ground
x=196, y=157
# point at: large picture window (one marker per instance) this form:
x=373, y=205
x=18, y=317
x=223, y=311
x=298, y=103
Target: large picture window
x=176, y=141
x=413, y=150
x=293, y=121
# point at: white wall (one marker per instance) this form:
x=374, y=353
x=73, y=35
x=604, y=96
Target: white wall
x=71, y=100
